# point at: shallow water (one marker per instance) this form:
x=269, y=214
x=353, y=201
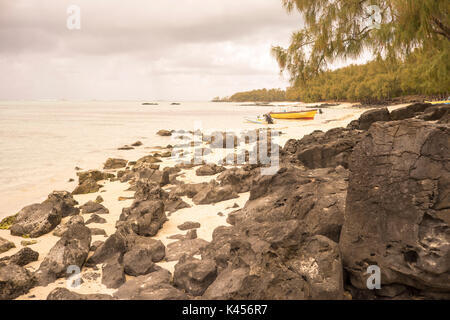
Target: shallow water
x=42, y=142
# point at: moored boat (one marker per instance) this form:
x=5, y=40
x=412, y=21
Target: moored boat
x=258, y=120
x=440, y=102
x=294, y=115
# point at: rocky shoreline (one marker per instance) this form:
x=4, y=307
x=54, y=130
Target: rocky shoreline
x=373, y=193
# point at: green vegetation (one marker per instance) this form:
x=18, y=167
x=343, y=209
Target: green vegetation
x=261, y=95
x=424, y=72
x=346, y=29
x=410, y=42
x=7, y=222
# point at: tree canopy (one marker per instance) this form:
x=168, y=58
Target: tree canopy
x=260, y=95
x=424, y=72
x=341, y=29
x=408, y=40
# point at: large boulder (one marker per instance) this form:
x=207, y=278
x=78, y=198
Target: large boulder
x=87, y=181
x=397, y=210
x=88, y=186
x=138, y=262
x=188, y=189
x=240, y=179
x=314, y=197
x=153, y=286
x=14, y=281
x=321, y=265
x=269, y=279
x=145, y=217
x=115, y=244
x=194, y=275
x=63, y=227
x=151, y=176
x=280, y=245
x=209, y=170
x=186, y=247
x=228, y=285
x=277, y=260
x=66, y=294
x=23, y=257
x=149, y=191
x=371, y=116
x=322, y=149
x=439, y=112
x=124, y=240
x=155, y=248
x=409, y=111
x=213, y=193
x=71, y=250
x=113, y=273
x=38, y=219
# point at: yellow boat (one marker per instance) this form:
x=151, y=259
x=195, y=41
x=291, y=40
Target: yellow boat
x=294, y=115
x=439, y=102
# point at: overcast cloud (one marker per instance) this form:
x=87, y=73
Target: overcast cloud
x=140, y=49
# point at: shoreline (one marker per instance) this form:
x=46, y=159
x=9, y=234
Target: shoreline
x=58, y=175
x=112, y=191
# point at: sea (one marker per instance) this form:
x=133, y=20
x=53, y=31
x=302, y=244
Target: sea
x=41, y=142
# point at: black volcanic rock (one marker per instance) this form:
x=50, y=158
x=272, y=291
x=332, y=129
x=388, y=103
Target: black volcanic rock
x=14, y=281
x=322, y=149
x=38, y=219
x=397, y=206
x=71, y=250
x=194, y=276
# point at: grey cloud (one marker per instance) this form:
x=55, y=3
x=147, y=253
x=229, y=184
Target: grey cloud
x=140, y=41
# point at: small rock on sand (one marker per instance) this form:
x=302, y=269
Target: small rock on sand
x=28, y=242
x=125, y=147
x=189, y=225
x=93, y=207
x=6, y=245
x=164, y=133
x=137, y=144
x=112, y=163
x=98, y=232
x=96, y=219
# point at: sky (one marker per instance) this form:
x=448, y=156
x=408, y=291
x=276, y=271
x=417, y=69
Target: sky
x=140, y=49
